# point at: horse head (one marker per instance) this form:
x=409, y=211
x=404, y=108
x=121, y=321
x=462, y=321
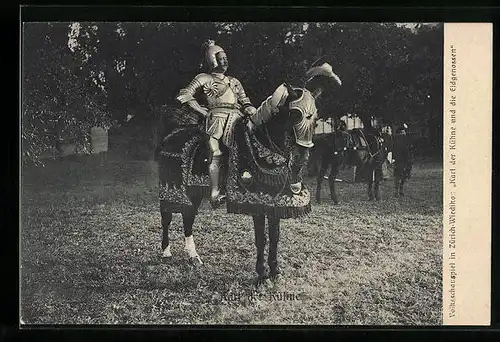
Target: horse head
x=286, y=121
x=289, y=118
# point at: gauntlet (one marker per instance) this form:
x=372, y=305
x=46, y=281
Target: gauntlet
x=249, y=110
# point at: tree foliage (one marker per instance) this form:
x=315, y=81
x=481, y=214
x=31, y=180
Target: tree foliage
x=76, y=75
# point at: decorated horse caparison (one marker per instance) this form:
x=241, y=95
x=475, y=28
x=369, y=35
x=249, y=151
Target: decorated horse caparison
x=261, y=175
x=366, y=151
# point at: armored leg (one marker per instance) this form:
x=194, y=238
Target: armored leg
x=300, y=156
x=214, y=172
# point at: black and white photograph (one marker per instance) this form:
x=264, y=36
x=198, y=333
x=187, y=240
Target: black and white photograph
x=209, y=173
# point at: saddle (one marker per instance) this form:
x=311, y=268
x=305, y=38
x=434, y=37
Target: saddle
x=258, y=179
x=255, y=179
x=183, y=168
x=359, y=138
x=373, y=165
x=368, y=141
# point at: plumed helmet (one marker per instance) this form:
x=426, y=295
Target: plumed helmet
x=210, y=51
x=319, y=76
x=325, y=70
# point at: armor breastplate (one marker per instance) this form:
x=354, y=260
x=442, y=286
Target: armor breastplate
x=304, y=129
x=219, y=91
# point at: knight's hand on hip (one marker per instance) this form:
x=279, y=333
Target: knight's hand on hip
x=199, y=109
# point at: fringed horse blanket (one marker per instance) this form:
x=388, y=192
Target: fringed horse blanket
x=183, y=166
x=257, y=174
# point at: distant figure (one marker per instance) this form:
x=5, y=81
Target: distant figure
x=403, y=159
x=340, y=126
x=387, y=130
x=99, y=139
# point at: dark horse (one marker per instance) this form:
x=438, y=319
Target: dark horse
x=261, y=167
x=367, y=152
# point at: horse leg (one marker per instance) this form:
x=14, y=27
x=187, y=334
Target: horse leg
x=166, y=219
x=331, y=180
x=274, y=236
x=396, y=186
x=376, y=186
x=370, y=191
x=322, y=171
x=259, y=223
x=188, y=220
x=400, y=190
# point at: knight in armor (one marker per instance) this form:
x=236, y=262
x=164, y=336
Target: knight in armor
x=222, y=101
x=301, y=101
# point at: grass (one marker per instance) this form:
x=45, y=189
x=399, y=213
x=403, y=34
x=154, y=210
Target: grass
x=90, y=254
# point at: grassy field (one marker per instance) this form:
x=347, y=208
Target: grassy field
x=90, y=254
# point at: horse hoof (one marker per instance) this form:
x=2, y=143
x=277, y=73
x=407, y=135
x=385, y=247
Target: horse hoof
x=217, y=201
x=195, y=260
x=262, y=275
x=262, y=282
x=276, y=279
x=167, y=253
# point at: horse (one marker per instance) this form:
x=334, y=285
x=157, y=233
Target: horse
x=261, y=167
x=367, y=152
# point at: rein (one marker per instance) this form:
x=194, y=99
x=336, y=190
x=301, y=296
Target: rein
x=278, y=149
